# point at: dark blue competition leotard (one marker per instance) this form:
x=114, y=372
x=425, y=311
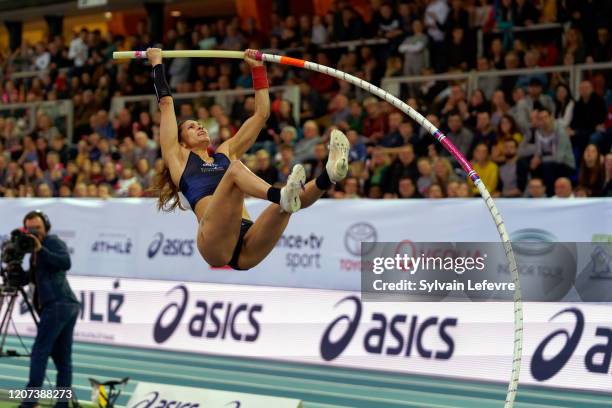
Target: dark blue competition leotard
x=200, y=179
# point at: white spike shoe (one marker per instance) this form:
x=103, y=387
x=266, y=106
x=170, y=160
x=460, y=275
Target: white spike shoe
x=290, y=194
x=337, y=161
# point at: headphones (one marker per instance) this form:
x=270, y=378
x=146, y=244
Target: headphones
x=41, y=215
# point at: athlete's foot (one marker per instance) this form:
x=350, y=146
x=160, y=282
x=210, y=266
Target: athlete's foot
x=337, y=161
x=290, y=194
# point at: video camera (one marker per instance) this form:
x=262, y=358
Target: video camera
x=12, y=253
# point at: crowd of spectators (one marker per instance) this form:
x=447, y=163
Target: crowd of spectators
x=526, y=135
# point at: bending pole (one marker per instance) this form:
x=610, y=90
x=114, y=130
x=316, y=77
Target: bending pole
x=446, y=142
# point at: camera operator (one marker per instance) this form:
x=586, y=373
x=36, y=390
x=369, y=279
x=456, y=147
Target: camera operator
x=55, y=303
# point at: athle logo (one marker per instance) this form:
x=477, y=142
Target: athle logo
x=596, y=360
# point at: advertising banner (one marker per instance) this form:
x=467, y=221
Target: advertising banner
x=566, y=345
x=151, y=395
x=321, y=247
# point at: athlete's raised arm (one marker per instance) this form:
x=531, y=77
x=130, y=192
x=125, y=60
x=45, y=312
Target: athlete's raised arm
x=248, y=132
x=168, y=137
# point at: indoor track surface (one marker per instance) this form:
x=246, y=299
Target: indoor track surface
x=318, y=387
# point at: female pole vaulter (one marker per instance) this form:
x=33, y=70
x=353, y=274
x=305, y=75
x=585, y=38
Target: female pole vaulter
x=216, y=185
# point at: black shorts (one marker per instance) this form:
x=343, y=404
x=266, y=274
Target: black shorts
x=244, y=227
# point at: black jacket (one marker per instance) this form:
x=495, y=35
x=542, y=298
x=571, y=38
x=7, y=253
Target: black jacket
x=589, y=114
x=49, y=269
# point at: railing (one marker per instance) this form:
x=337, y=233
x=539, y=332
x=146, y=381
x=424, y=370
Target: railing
x=353, y=44
x=350, y=45
x=575, y=74
x=581, y=69
x=519, y=31
x=31, y=74
x=475, y=76
x=534, y=27
x=393, y=84
x=222, y=98
x=54, y=109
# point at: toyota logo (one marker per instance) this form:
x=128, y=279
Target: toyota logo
x=358, y=233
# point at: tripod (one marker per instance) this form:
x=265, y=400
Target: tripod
x=8, y=295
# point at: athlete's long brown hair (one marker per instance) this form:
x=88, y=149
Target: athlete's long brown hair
x=165, y=189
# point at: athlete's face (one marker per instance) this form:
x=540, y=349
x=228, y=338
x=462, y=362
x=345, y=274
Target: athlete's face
x=194, y=135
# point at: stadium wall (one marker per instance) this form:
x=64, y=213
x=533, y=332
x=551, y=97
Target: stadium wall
x=128, y=248
x=320, y=248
